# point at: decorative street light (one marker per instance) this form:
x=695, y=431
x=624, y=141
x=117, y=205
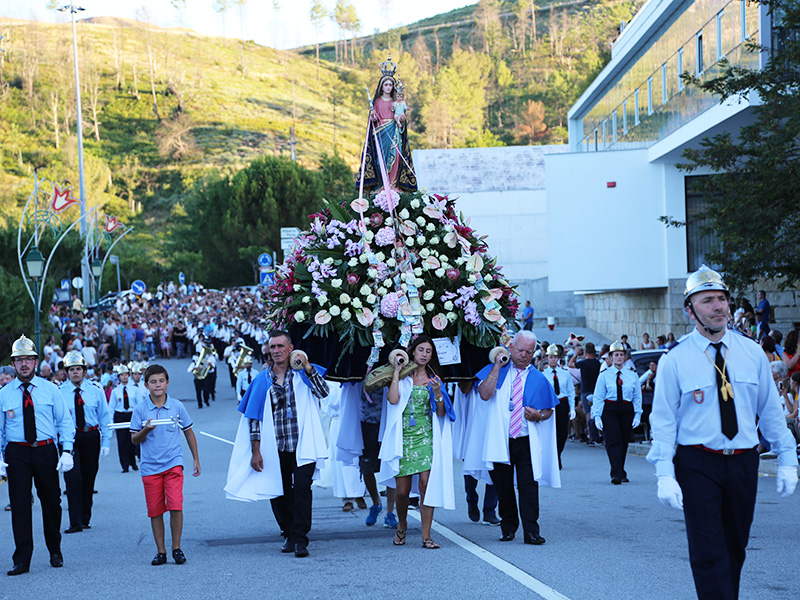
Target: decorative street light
x=97, y=271
x=34, y=262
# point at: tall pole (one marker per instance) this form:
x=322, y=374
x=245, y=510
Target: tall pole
x=85, y=272
x=36, y=315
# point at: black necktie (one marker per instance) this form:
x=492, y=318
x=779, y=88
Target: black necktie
x=249, y=376
x=555, y=383
x=619, y=386
x=125, y=398
x=28, y=415
x=80, y=419
x=727, y=409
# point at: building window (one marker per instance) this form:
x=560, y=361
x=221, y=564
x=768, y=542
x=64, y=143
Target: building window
x=649, y=96
x=720, y=51
x=680, y=70
x=699, y=241
x=699, y=58
x=664, y=96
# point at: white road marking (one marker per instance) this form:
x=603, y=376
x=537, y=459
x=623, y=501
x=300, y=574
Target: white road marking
x=216, y=438
x=530, y=582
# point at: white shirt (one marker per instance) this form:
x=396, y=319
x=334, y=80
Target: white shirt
x=686, y=406
x=566, y=389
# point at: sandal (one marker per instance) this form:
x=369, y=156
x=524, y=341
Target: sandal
x=348, y=507
x=399, y=537
x=429, y=544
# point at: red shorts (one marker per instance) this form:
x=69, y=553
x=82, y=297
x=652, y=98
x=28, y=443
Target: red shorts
x=164, y=491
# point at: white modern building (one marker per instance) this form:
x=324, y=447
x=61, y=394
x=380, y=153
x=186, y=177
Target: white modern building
x=626, y=135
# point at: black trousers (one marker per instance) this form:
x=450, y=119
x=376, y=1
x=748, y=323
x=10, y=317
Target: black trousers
x=125, y=447
x=232, y=376
x=503, y=479
x=617, y=421
x=28, y=466
x=212, y=384
x=562, y=426
x=202, y=389
x=80, y=479
x=719, y=497
x=293, y=510
x=489, y=495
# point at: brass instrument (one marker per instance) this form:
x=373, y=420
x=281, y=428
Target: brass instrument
x=245, y=353
x=382, y=376
x=203, y=366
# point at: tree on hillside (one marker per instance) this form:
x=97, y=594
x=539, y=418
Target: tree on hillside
x=751, y=204
x=532, y=127
x=175, y=139
x=318, y=14
x=222, y=7
x=241, y=4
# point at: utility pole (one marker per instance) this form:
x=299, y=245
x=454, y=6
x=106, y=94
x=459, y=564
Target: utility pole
x=85, y=272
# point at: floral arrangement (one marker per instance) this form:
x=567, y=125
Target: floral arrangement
x=378, y=272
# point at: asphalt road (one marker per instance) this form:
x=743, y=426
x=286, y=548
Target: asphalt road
x=603, y=541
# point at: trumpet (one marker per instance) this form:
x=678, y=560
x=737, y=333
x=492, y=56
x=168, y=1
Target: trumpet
x=203, y=364
x=245, y=353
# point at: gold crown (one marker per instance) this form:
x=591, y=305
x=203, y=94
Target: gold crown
x=400, y=86
x=388, y=68
x=23, y=347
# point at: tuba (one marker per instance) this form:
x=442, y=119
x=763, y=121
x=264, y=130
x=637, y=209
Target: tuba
x=203, y=364
x=244, y=353
x=382, y=376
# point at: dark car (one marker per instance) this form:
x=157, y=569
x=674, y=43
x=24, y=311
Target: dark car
x=641, y=359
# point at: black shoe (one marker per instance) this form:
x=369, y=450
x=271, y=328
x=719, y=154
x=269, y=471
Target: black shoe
x=287, y=546
x=135, y=467
x=18, y=570
x=56, y=561
x=536, y=540
x=74, y=529
x=207, y=404
x=473, y=513
x=490, y=519
x=625, y=480
x=86, y=526
x=199, y=406
x=124, y=469
x=300, y=550
x=159, y=559
x=179, y=557
x=507, y=537
x=616, y=480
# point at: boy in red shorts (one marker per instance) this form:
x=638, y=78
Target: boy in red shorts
x=162, y=459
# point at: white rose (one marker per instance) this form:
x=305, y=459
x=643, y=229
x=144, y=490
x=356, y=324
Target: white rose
x=422, y=310
x=371, y=299
x=299, y=316
x=451, y=316
x=391, y=263
x=448, y=305
x=418, y=272
x=419, y=282
x=328, y=261
x=346, y=314
x=427, y=295
x=344, y=298
x=424, y=253
x=409, y=241
x=388, y=221
x=487, y=277
x=461, y=260
x=430, y=227
x=297, y=287
x=472, y=278
x=372, y=272
x=420, y=221
x=364, y=291
x=443, y=258
x=356, y=303
x=404, y=214
x=334, y=310
x=352, y=262
x=414, y=204
x=380, y=256
x=322, y=299
x=306, y=299
x=439, y=272
x=404, y=287
x=369, y=235
x=362, y=258
x=435, y=240
x=429, y=307
x=421, y=239
x=337, y=283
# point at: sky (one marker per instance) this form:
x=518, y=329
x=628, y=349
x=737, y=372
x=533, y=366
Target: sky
x=287, y=27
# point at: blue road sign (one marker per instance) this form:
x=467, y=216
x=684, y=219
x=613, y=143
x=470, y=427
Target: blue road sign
x=264, y=260
x=65, y=284
x=138, y=287
x=182, y=278
x=267, y=277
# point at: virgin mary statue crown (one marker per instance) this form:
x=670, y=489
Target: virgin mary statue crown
x=388, y=68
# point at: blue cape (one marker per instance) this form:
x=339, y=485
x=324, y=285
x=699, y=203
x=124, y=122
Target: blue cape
x=448, y=403
x=538, y=393
x=252, y=404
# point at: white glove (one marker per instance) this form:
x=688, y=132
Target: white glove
x=787, y=481
x=635, y=423
x=572, y=414
x=3, y=466
x=65, y=463
x=104, y=452
x=669, y=492
x=598, y=422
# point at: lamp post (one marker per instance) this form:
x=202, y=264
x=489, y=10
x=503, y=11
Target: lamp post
x=97, y=272
x=34, y=261
x=79, y=127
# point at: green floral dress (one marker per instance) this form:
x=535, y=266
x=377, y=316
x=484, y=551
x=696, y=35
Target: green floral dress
x=417, y=433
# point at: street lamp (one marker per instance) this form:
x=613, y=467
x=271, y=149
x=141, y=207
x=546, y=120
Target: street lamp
x=97, y=271
x=34, y=261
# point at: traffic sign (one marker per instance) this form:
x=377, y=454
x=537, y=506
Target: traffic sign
x=113, y=259
x=264, y=260
x=287, y=245
x=289, y=232
x=267, y=276
x=182, y=278
x=77, y=282
x=138, y=287
x=65, y=284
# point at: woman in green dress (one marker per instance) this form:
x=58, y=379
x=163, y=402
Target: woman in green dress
x=417, y=433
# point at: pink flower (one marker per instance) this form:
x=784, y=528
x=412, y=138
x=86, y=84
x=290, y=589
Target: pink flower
x=439, y=321
x=432, y=262
x=493, y=315
x=352, y=279
x=376, y=219
x=359, y=205
x=322, y=317
x=365, y=316
x=387, y=199
x=452, y=273
x=385, y=236
x=390, y=305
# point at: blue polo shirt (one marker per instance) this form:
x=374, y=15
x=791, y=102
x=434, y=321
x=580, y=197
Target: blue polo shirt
x=161, y=449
